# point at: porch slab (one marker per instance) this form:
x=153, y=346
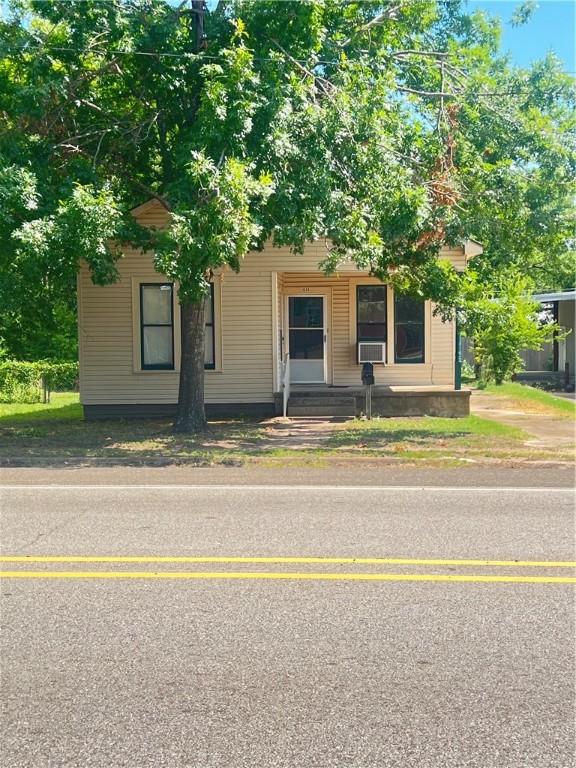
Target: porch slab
x=386, y=401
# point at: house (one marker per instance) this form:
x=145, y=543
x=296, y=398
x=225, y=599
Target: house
x=278, y=322
x=555, y=365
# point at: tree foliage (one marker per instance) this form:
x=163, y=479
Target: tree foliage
x=388, y=128
x=503, y=319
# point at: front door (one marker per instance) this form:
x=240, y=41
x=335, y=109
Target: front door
x=307, y=339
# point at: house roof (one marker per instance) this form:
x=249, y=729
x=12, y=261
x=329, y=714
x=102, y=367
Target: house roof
x=472, y=247
x=140, y=209
x=560, y=296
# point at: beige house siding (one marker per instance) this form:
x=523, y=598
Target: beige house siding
x=443, y=344
x=250, y=321
x=455, y=256
x=438, y=368
x=107, y=341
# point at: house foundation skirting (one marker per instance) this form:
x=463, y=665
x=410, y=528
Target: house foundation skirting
x=446, y=403
x=168, y=410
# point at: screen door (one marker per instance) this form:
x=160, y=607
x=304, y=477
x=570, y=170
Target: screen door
x=307, y=339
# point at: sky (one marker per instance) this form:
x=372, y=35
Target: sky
x=553, y=26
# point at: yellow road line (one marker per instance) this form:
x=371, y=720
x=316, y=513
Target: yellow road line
x=282, y=575
x=320, y=560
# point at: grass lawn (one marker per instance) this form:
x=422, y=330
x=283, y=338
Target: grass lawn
x=64, y=406
x=57, y=432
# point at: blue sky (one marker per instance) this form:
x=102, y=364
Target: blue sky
x=551, y=27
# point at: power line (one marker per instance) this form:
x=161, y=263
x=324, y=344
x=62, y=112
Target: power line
x=153, y=54
x=210, y=57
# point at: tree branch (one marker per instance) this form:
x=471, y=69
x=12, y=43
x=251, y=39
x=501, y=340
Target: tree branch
x=389, y=13
x=428, y=94
x=410, y=52
x=322, y=82
x=118, y=171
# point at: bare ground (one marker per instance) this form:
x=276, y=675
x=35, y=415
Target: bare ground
x=547, y=429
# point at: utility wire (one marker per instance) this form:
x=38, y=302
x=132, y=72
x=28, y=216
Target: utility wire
x=210, y=57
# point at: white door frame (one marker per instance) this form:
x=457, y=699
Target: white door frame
x=324, y=329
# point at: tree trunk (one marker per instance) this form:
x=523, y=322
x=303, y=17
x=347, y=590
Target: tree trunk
x=190, y=415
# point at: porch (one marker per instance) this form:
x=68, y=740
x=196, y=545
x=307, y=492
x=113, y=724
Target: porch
x=325, y=328
x=387, y=401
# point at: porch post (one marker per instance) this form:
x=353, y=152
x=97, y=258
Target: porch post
x=458, y=357
x=458, y=349
x=276, y=352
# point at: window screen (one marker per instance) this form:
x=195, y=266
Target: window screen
x=371, y=313
x=408, y=330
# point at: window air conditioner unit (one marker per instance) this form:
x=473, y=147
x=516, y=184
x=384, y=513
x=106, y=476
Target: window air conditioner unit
x=371, y=352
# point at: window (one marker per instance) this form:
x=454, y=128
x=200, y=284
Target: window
x=157, y=326
x=408, y=330
x=160, y=328
x=209, y=348
x=371, y=313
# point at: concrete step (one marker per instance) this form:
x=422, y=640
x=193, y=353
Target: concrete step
x=321, y=406
x=321, y=410
x=314, y=400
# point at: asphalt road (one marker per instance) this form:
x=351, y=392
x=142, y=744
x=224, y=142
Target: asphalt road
x=257, y=651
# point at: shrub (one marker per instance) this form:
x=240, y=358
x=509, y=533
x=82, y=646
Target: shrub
x=503, y=319
x=23, y=382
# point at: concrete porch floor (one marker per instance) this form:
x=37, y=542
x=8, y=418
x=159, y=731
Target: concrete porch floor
x=322, y=400
x=385, y=388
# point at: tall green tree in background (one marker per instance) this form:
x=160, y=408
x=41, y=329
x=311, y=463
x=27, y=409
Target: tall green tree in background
x=388, y=128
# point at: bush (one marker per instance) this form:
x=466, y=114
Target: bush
x=503, y=319
x=467, y=370
x=22, y=382
x=60, y=377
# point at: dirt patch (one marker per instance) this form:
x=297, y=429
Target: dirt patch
x=299, y=433
x=547, y=428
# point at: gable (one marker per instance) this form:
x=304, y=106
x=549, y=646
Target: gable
x=152, y=214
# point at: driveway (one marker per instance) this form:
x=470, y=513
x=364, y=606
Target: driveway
x=547, y=430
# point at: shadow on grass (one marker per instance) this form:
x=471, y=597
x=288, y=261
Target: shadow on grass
x=60, y=437
x=61, y=433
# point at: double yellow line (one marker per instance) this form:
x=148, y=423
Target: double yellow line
x=287, y=575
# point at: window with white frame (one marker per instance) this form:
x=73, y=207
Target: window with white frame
x=371, y=313
x=157, y=326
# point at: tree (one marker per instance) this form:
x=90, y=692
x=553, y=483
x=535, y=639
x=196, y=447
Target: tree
x=37, y=275
x=503, y=319
x=388, y=128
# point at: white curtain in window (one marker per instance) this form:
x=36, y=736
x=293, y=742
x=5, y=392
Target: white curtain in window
x=158, y=345
x=157, y=304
